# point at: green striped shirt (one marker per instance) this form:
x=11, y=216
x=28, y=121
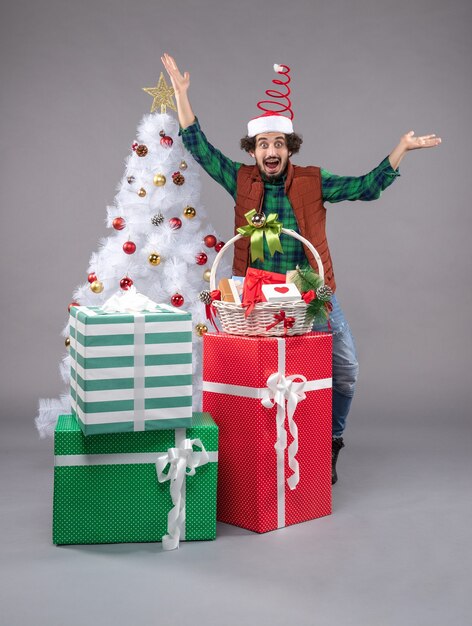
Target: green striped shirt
x=334, y=189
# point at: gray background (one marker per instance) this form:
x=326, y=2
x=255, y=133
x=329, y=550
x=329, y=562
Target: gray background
x=363, y=73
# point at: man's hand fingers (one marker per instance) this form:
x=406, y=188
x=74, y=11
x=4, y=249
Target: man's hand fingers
x=427, y=141
x=171, y=66
x=171, y=61
x=165, y=63
x=424, y=141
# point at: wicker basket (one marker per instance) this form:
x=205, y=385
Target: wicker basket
x=232, y=315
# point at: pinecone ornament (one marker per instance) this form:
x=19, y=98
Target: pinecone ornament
x=141, y=150
x=324, y=293
x=205, y=297
x=157, y=219
x=178, y=178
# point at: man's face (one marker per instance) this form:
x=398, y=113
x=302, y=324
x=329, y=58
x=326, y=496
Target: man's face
x=271, y=154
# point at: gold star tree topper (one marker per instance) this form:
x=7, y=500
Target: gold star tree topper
x=162, y=94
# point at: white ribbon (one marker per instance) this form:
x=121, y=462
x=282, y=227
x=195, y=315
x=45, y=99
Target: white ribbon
x=182, y=461
x=281, y=389
x=139, y=371
x=129, y=301
x=74, y=362
x=257, y=393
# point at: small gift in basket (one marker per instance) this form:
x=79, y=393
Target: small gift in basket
x=256, y=317
x=253, y=286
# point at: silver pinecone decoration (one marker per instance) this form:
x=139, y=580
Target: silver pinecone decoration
x=324, y=293
x=157, y=219
x=205, y=297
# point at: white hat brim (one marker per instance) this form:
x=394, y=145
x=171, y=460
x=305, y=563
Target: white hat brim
x=269, y=124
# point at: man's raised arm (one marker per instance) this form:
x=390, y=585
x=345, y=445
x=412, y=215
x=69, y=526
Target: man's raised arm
x=180, y=83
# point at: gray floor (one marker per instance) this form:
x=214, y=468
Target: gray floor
x=396, y=550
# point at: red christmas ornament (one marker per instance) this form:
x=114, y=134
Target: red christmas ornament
x=129, y=247
x=72, y=304
x=125, y=283
x=219, y=245
x=210, y=241
x=92, y=277
x=166, y=141
x=177, y=300
x=175, y=223
x=134, y=146
x=201, y=258
x=118, y=223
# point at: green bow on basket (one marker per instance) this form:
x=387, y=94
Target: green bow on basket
x=257, y=227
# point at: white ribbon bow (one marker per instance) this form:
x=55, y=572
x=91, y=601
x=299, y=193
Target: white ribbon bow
x=182, y=461
x=129, y=301
x=279, y=389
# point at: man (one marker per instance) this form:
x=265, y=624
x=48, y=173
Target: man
x=296, y=194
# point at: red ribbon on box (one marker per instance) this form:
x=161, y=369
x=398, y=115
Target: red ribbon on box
x=282, y=317
x=252, y=290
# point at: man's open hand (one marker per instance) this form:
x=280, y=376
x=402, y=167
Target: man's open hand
x=180, y=82
x=410, y=142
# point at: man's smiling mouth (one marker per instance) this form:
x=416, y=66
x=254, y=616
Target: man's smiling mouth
x=271, y=164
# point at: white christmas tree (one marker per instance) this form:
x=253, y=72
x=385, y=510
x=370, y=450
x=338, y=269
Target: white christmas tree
x=161, y=242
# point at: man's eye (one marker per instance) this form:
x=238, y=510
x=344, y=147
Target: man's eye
x=279, y=144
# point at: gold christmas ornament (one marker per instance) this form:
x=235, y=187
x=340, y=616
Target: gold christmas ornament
x=162, y=95
x=154, y=258
x=201, y=329
x=67, y=342
x=142, y=192
x=206, y=275
x=183, y=165
x=96, y=286
x=189, y=212
x=159, y=180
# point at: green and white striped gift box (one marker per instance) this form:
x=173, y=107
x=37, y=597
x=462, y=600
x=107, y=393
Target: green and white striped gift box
x=131, y=371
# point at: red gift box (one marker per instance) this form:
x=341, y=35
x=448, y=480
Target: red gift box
x=271, y=399
x=252, y=288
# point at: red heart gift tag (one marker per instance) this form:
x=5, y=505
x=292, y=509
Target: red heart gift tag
x=281, y=289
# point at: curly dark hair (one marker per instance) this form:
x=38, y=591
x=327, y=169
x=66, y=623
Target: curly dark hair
x=293, y=140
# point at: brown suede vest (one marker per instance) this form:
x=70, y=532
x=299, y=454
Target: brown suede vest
x=303, y=188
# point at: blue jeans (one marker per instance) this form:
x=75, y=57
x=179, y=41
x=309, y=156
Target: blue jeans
x=345, y=366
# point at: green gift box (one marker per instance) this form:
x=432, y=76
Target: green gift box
x=108, y=489
x=131, y=371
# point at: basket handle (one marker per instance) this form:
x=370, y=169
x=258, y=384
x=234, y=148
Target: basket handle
x=287, y=231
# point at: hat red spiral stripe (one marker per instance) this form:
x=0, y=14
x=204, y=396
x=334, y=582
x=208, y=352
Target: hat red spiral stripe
x=278, y=95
